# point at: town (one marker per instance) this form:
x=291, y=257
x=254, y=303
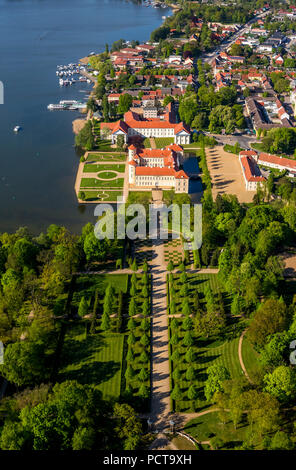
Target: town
x=166, y=344
x=175, y=89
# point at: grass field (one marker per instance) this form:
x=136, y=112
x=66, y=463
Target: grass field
x=183, y=444
x=208, y=351
x=218, y=350
x=93, y=359
x=102, y=195
x=94, y=168
x=107, y=175
x=95, y=183
x=193, y=145
x=250, y=358
x=97, y=357
x=101, y=144
x=87, y=285
x=106, y=157
x=146, y=143
x=197, y=283
x=139, y=197
x=208, y=426
x=162, y=142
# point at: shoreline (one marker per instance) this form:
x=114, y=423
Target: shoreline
x=78, y=124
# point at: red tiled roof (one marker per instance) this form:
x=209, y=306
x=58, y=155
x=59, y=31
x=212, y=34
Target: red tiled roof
x=133, y=120
x=181, y=174
x=246, y=153
x=285, y=162
x=147, y=47
x=108, y=125
x=176, y=147
x=154, y=171
x=120, y=125
x=154, y=153
x=157, y=171
x=250, y=170
x=181, y=127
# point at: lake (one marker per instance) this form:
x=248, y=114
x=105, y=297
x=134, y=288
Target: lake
x=39, y=164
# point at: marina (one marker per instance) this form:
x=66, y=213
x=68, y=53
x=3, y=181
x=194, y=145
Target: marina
x=41, y=192
x=70, y=74
x=150, y=3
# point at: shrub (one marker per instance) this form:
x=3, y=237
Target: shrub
x=176, y=393
x=83, y=307
x=143, y=375
x=131, y=338
x=174, y=339
x=145, y=340
x=188, y=339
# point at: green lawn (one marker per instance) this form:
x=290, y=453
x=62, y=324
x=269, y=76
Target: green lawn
x=100, y=358
x=102, y=144
x=87, y=285
x=197, y=283
x=93, y=359
x=220, y=350
x=208, y=426
x=146, y=143
x=232, y=149
x=183, y=444
x=95, y=168
x=250, y=358
x=193, y=145
x=208, y=351
x=162, y=142
x=102, y=195
x=107, y=175
x=137, y=364
x=106, y=157
x=95, y=183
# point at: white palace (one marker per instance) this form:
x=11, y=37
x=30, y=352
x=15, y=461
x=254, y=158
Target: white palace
x=157, y=168
x=136, y=126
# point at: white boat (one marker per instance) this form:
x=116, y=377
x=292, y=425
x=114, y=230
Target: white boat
x=17, y=128
x=68, y=102
x=55, y=106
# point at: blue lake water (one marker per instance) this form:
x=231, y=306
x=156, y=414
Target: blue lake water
x=38, y=165
x=195, y=185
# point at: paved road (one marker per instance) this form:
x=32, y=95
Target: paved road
x=208, y=57
x=244, y=140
